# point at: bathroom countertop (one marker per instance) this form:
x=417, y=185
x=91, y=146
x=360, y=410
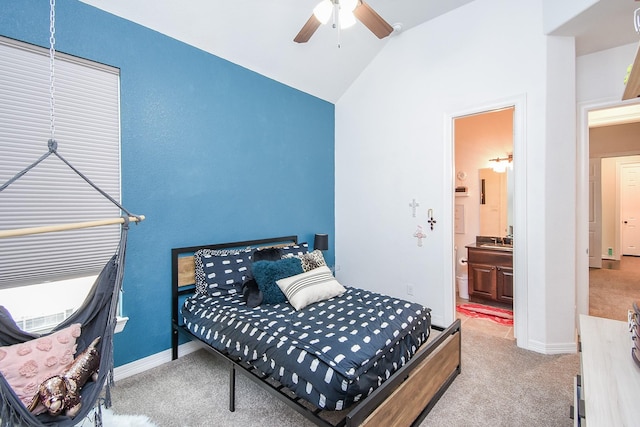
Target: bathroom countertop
x=490, y=246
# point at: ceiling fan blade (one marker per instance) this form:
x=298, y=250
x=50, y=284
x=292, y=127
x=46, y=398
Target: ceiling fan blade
x=372, y=20
x=307, y=30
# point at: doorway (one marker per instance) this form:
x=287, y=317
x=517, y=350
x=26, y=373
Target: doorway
x=608, y=143
x=520, y=278
x=483, y=145
x=615, y=284
x=630, y=208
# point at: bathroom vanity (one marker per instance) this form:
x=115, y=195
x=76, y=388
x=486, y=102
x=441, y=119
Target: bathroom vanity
x=490, y=267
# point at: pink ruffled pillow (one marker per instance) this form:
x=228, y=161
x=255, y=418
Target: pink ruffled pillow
x=25, y=366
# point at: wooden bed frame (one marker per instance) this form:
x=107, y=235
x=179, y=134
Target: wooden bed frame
x=403, y=400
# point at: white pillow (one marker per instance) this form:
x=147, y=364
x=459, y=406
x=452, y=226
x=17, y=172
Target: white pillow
x=313, y=286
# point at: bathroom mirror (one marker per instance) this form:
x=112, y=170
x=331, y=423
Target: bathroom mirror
x=496, y=202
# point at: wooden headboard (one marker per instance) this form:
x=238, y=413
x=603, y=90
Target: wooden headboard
x=183, y=272
x=184, y=268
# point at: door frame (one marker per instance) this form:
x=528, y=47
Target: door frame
x=595, y=204
x=582, y=199
x=520, y=224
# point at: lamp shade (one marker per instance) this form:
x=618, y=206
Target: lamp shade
x=321, y=242
x=349, y=5
x=323, y=11
x=346, y=18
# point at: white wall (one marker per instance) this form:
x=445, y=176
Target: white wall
x=393, y=143
x=560, y=196
x=600, y=75
x=557, y=12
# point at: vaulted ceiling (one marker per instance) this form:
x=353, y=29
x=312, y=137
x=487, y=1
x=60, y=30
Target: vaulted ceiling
x=258, y=34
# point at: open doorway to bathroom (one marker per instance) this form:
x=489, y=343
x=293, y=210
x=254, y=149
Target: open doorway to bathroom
x=484, y=217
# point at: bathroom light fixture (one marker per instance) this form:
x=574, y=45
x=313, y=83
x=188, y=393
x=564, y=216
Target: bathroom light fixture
x=501, y=163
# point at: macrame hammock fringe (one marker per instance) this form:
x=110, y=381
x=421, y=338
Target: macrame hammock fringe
x=97, y=316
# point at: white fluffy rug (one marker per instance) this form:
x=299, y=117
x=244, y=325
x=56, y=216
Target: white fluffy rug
x=109, y=419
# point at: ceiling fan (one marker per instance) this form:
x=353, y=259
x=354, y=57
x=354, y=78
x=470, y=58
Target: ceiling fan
x=344, y=14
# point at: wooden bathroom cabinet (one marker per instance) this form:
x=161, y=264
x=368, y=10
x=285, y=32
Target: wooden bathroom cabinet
x=490, y=275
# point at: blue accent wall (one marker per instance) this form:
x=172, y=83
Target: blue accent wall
x=211, y=152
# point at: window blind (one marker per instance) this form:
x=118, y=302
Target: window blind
x=87, y=129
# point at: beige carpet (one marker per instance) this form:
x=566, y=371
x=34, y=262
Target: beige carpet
x=503, y=385
x=500, y=385
x=613, y=290
x=111, y=419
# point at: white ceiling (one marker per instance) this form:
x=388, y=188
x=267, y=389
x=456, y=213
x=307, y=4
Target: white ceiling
x=258, y=34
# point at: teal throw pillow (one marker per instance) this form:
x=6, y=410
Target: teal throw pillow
x=266, y=273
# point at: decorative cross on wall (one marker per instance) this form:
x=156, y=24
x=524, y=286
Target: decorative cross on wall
x=413, y=205
x=431, y=221
x=420, y=235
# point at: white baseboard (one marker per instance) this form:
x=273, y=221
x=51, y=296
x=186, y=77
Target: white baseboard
x=559, y=348
x=155, y=360
x=437, y=320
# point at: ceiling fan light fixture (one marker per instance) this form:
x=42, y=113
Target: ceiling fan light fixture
x=345, y=13
x=323, y=11
x=346, y=19
x=349, y=5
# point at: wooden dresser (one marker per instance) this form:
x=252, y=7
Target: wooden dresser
x=610, y=379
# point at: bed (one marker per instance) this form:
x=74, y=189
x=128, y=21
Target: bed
x=348, y=358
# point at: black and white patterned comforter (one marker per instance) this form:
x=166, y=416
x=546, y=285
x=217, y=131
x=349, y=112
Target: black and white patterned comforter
x=331, y=353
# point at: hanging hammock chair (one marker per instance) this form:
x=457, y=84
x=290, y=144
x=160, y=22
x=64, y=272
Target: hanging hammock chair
x=97, y=317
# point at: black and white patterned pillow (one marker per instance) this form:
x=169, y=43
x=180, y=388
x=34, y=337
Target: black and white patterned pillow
x=295, y=250
x=221, y=272
x=312, y=260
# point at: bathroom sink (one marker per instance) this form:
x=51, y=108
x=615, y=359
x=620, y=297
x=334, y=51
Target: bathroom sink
x=497, y=246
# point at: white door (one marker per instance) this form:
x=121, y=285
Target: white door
x=630, y=208
x=595, y=215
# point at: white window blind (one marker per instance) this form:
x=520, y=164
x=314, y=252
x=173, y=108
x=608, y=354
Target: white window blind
x=87, y=129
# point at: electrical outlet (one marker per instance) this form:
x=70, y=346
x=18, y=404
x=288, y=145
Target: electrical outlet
x=409, y=288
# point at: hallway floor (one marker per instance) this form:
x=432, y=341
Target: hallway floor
x=614, y=288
